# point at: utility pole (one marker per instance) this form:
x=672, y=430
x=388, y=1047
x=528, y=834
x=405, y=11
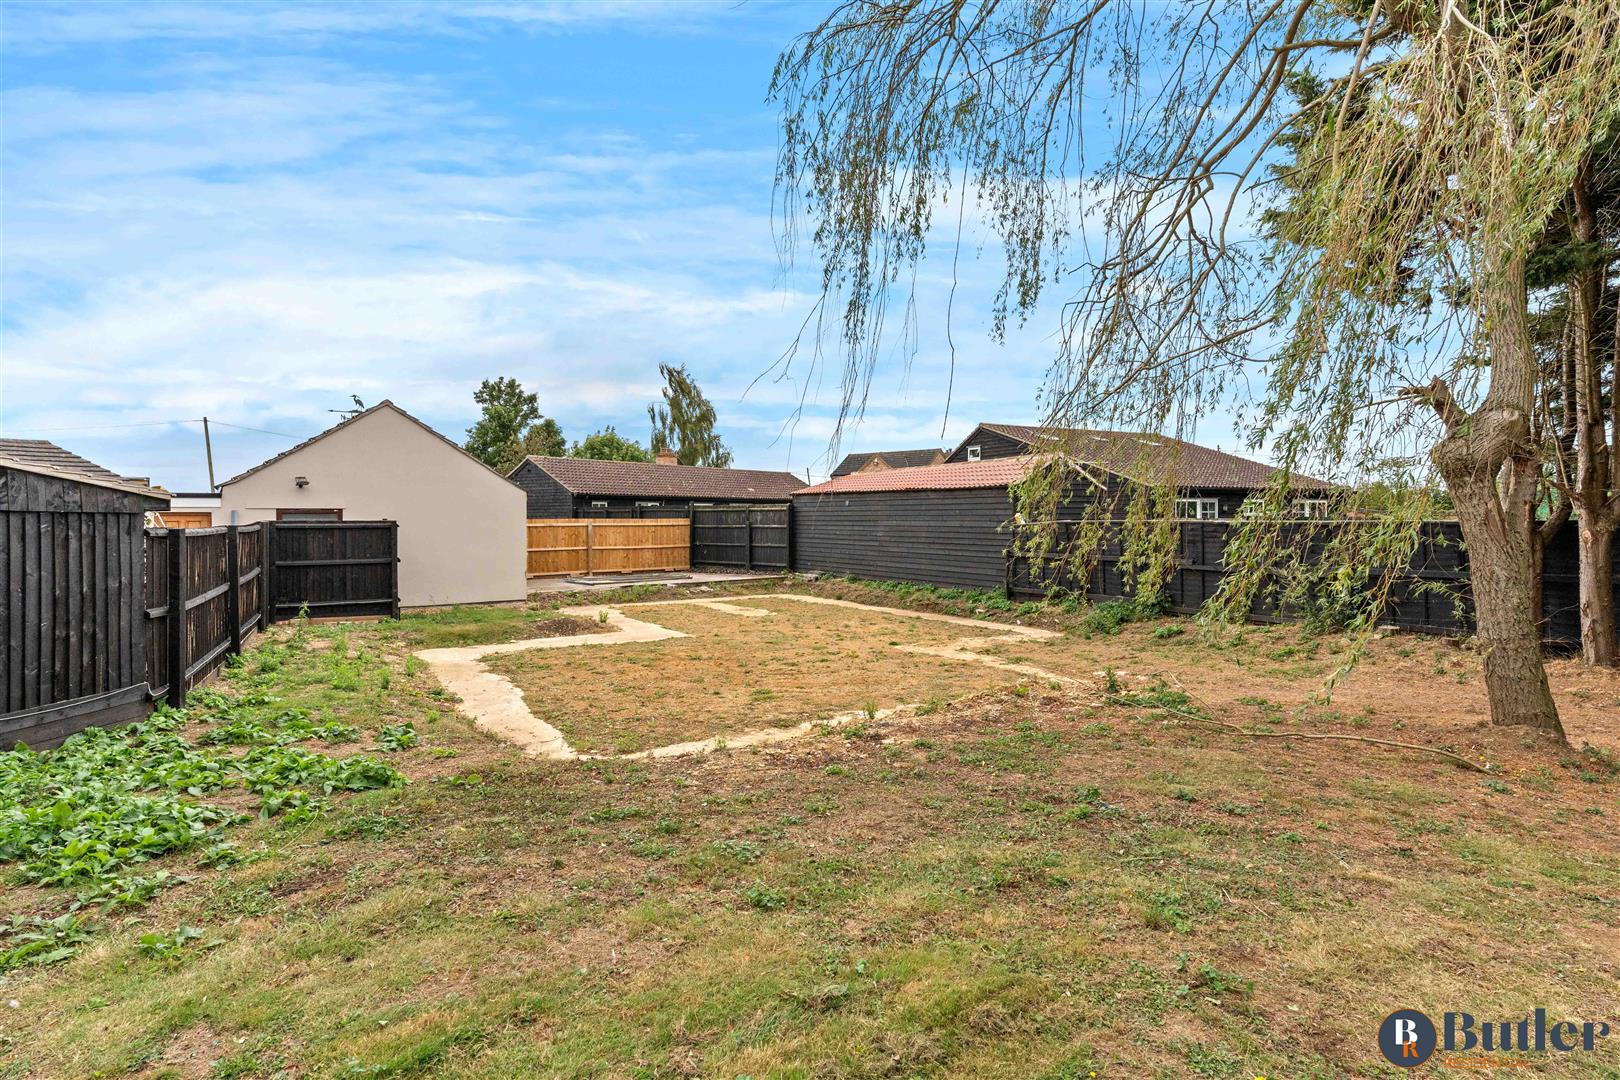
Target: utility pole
x=208, y=444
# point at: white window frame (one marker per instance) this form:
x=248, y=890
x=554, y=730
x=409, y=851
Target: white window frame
x=1311, y=508
x=640, y=503
x=598, y=504
x=975, y=454
x=1198, y=509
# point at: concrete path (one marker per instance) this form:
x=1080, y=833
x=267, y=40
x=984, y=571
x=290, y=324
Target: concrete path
x=495, y=703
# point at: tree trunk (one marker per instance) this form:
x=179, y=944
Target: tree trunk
x=1500, y=568
x=1598, y=645
x=1487, y=463
x=1594, y=461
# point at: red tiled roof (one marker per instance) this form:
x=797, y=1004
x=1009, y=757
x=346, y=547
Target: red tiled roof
x=587, y=476
x=995, y=473
x=1153, y=459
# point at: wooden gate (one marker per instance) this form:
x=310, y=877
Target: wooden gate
x=586, y=546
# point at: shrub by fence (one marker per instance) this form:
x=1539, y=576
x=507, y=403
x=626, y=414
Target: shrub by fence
x=1430, y=595
x=743, y=537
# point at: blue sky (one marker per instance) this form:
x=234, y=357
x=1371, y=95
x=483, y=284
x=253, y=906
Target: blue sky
x=252, y=212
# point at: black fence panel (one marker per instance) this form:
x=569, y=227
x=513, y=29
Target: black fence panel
x=1430, y=595
x=74, y=649
x=742, y=537
x=101, y=617
x=203, y=601
x=333, y=569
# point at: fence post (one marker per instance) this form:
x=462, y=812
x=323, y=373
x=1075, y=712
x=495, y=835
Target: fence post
x=177, y=618
x=590, y=529
x=267, y=562
x=394, y=534
x=787, y=552
x=233, y=595
x=748, y=537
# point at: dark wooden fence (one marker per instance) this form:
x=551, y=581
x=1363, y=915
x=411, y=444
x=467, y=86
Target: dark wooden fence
x=343, y=569
x=70, y=613
x=102, y=618
x=1430, y=594
x=742, y=537
x=204, y=598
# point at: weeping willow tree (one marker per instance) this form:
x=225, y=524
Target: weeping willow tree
x=1313, y=215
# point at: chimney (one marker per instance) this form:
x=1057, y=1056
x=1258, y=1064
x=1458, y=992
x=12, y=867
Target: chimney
x=667, y=457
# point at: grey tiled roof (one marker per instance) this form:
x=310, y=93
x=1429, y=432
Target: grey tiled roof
x=47, y=455
x=587, y=476
x=1152, y=459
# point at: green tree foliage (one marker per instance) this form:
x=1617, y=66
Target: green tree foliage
x=511, y=426
x=609, y=445
x=544, y=439
x=684, y=422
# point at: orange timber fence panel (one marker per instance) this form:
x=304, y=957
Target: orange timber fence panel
x=592, y=545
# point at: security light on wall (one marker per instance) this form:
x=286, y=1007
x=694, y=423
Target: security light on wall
x=301, y=481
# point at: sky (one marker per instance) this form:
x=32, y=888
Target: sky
x=253, y=212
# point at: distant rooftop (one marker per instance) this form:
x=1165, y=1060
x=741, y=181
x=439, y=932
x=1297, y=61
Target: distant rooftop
x=894, y=459
x=1150, y=458
x=46, y=455
x=588, y=476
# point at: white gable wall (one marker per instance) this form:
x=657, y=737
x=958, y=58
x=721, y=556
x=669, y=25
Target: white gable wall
x=462, y=528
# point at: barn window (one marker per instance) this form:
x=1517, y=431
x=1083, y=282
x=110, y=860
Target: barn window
x=1311, y=508
x=649, y=504
x=973, y=454
x=598, y=504
x=1198, y=509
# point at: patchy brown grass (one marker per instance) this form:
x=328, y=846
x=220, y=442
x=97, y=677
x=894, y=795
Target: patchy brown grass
x=1043, y=886
x=1279, y=675
x=736, y=673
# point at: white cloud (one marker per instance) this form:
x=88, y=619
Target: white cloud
x=254, y=235
x=45, y=27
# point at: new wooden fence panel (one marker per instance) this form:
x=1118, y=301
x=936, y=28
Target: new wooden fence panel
x=590, y=546
x=644, y=544
x=558, y=546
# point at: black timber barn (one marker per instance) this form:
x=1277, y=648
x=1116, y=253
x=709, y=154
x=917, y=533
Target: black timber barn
x=946, y=524
x=564, y=487
x=72, y=593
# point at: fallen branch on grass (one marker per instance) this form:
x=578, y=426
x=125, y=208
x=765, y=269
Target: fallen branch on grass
x=1235, y=729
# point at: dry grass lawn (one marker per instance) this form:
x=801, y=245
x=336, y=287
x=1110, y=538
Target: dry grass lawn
x=736, y=673
x=1029, y=886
